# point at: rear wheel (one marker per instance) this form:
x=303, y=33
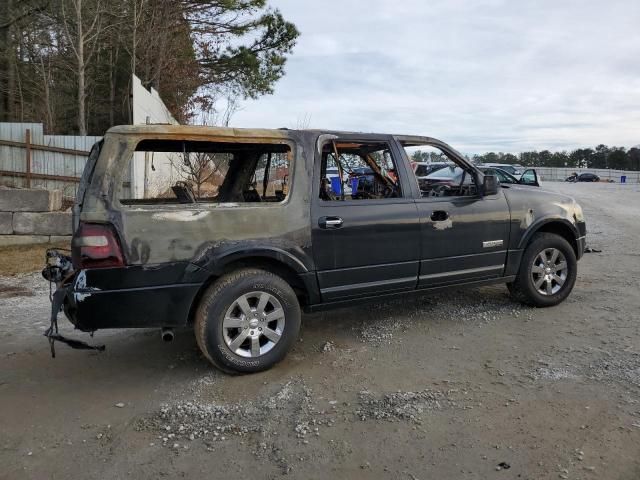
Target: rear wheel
x=247, y=321
x=547, y=272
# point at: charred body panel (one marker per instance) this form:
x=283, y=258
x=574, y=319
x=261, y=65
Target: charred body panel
x=133, y=296
x=159, y=233
x=173, y=252
x=161, y=306
x=536, y=210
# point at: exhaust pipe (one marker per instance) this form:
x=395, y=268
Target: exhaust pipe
x=166, y=334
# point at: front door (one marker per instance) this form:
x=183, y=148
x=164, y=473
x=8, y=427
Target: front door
x=365, y=226
x=463, y=239
x=464, y=235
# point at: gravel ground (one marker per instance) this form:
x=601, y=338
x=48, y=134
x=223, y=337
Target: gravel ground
x=463, y=384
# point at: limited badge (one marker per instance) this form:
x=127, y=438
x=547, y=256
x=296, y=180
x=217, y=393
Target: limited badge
x=492, y=243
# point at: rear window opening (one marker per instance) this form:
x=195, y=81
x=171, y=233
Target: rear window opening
x=183, y=171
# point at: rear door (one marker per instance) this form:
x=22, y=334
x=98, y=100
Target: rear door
x=366, y=236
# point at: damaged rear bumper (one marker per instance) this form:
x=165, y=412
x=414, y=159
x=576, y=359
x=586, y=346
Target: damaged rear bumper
x=128, y=303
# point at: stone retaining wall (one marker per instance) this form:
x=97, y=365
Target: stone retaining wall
x=32, y=216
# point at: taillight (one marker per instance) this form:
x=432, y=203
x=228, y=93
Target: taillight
x=96, y=246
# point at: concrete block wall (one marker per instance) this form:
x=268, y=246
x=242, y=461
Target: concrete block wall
x=30, y=200
x=32, y=216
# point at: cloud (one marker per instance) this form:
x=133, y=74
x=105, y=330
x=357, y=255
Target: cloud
x=483, y=75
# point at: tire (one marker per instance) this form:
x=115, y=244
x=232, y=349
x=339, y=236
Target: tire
x=226, y=326
x=532, y=285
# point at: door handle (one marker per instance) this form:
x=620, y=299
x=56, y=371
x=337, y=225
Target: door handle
x=330, y=222
x=439, y=216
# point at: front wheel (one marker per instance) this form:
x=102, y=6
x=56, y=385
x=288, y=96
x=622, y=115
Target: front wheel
x=247, y=321
x=547, y=272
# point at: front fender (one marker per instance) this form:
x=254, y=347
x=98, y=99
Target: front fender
x=541, y=222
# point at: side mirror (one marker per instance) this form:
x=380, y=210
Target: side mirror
x=490, y=185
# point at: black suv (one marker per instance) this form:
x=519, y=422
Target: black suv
x=236, y=231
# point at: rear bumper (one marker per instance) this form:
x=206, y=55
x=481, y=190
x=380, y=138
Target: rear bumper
x=94, y=300
x=164, y=306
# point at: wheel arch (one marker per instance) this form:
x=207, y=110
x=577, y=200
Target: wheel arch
x=290, y=269
x=558, y=226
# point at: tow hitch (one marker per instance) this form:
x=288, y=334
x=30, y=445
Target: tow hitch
x=58, y=270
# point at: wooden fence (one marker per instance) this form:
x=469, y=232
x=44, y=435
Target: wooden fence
x=28, y=158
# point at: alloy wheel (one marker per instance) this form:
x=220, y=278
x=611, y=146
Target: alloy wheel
x=549, y=271
x=253, y=324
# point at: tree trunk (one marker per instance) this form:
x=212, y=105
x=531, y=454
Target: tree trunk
x=134, y=43
x=9, y=89
x=114, y=54
x=112, y=87
x=82, y=121
x=17, y=83
x=47, y=96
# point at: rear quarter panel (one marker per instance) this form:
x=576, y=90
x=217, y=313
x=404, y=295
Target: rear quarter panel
x=203, y=234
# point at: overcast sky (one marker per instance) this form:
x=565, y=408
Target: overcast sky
x=482, y=75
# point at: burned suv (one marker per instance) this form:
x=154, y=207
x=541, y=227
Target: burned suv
x=234, y=232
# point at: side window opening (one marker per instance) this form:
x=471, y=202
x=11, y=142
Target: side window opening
x=439, y=174
x=184, y=171
x=358, y=171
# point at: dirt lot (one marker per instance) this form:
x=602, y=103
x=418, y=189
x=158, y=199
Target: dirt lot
x=464, y=385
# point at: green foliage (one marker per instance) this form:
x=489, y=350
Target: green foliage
x=618, y=159
x=601, y=156
x=429, y=156
x=194, y=52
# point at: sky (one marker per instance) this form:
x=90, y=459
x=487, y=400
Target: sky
x=484, y=75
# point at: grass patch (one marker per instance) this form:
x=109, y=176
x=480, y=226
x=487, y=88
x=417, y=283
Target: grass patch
x=18, y=259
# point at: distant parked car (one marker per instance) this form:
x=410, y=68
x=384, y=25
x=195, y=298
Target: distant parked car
x=453, y=177
x=442, y=181
x=515, y=170
x=583, y=177
x=424, y=169
x=445, y=180
x=528, y=177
